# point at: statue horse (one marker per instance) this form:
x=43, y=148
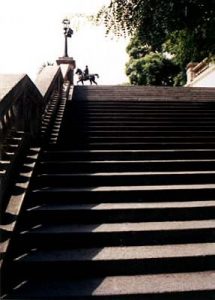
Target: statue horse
x=82, y=77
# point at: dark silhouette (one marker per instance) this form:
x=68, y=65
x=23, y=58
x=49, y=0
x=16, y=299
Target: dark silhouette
x=86, y=72
x=82, y=77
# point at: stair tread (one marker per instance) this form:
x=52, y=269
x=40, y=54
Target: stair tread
x=126, y=173
x=141, y=137
x=121, y=227
x=116, y=285
x=126, y=161
x=122, y=206
x=149, y=143
x=126, y=188
x=120, y=253
x=128, y=151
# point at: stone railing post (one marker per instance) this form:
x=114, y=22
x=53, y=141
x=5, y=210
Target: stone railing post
x=67, y=65
x=190, y=72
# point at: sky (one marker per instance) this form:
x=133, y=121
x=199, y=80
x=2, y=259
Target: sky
x=31, y=33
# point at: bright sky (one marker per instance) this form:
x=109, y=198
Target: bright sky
x=31, y=33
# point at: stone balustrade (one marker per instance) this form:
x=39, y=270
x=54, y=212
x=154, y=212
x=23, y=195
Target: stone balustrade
x=23, y=107
x=195, y=69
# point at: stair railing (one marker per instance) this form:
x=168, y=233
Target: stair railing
x=24, y=108
x=49, y=83
x=21, y=106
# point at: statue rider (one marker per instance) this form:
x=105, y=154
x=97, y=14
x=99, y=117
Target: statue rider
x=86, y=72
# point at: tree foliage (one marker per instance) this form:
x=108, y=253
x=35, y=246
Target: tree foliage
x=154, y=20
x=137, y=49
x=151, y=69
x=183, y=28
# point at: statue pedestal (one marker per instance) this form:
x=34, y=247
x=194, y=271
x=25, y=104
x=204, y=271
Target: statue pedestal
x=67, y=65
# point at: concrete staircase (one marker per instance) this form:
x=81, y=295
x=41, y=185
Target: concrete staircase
x=122, y=204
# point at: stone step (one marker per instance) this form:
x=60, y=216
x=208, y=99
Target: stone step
x=109, y=261
x=76, y=104
x=178, y=286
x=144, y=113
x=151, y=127
x=99, y=155
x=143, y=129
x=144, y=133
x=170, y=117
x=129, y=188
x=135, y=108
x=69, y=144
x=154, y=96
x=148, y=98
x=123, y=178
x=156, y=165
x=140, y=126
x=187, y=192
x=207, y=138
x=64, y=212
x=133, y=93
x=126, y=109
x=53, y=236
x=123, y=97
x=79, y=105
x=140, y=120
x=144, y=122
x=138, y=100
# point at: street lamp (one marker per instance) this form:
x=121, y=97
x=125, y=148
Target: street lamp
x=67, y=33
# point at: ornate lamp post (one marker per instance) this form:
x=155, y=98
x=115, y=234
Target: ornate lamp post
x=67, y=33
x=67, y=63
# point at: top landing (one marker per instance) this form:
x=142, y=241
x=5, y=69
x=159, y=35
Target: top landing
x=143, y=93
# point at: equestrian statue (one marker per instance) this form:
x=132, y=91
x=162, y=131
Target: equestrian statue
x=84, y=76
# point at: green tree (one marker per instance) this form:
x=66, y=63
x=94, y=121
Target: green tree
x=137, y=49
x=186, y=46
x=152, y=69
x=184, y=28
x=154, y=20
